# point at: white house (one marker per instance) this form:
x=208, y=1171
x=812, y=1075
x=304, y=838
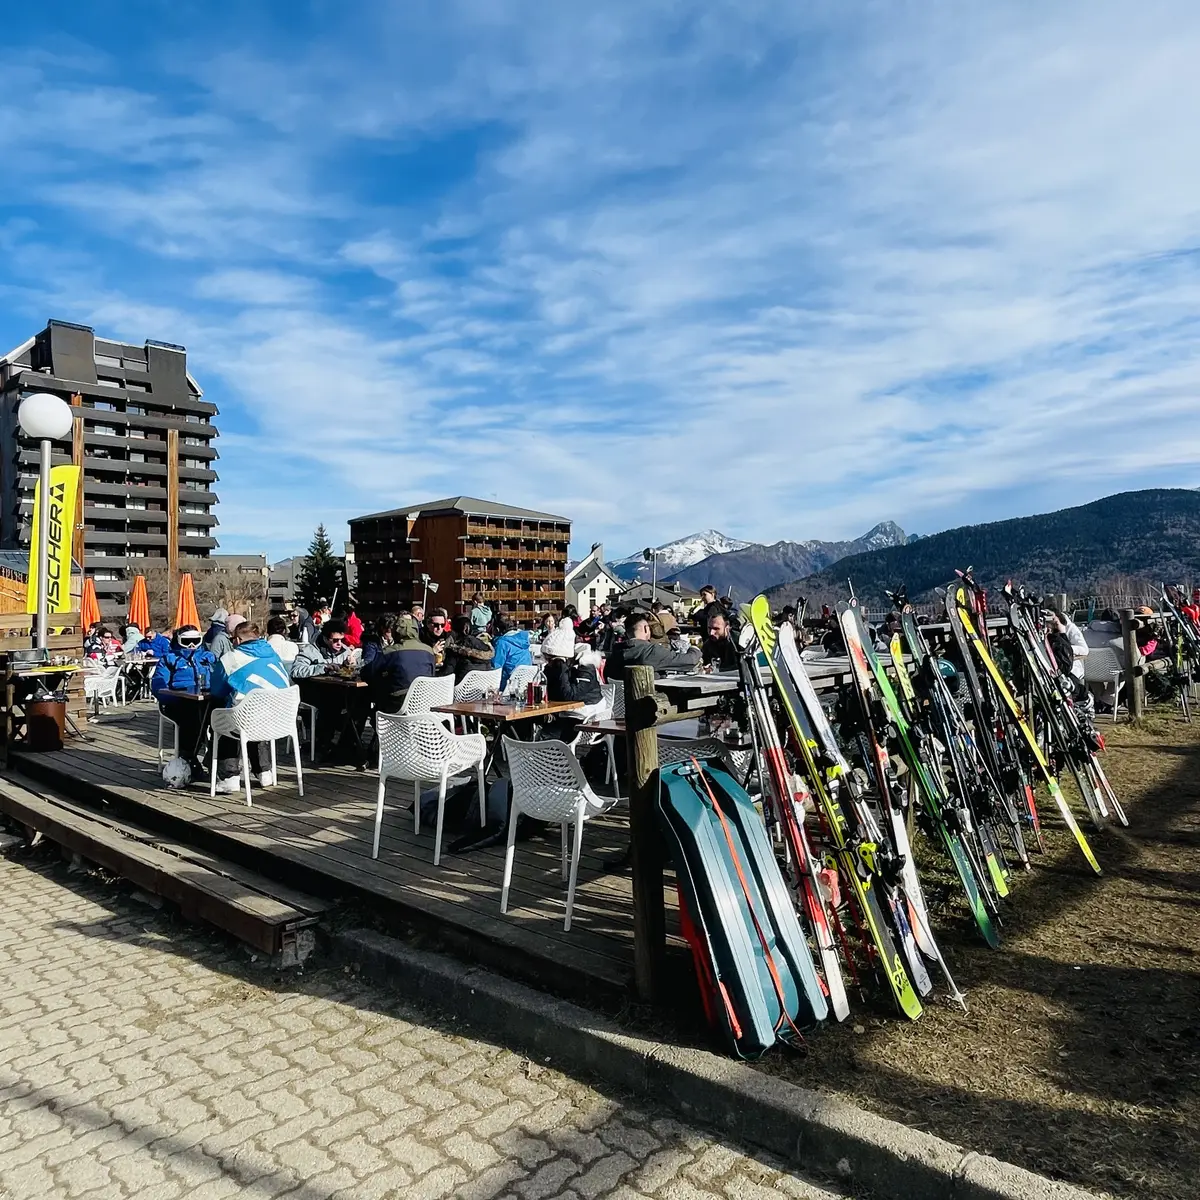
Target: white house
x=590, y=583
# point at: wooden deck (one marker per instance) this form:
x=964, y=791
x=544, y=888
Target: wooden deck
x=322, y=843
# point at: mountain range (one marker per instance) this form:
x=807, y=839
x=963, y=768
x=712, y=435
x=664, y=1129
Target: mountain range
x=748, y=567
x=1106, y=547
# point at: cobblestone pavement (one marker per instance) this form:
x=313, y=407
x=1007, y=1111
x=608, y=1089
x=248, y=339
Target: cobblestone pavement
x=143, y=1057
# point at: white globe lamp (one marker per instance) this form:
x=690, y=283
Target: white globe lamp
x=46, y=418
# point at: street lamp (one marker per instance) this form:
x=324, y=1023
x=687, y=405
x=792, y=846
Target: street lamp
x=45, y=418
x=427, y=586
x=650, y=555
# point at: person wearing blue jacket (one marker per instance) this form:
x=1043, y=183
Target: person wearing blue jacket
x=251, y=664
x=511, y=649
x=185, y=667
x=153, y=643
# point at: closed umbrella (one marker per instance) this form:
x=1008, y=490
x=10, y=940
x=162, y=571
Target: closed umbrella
x=89, y=606
x=185, y=610
x=139, y=604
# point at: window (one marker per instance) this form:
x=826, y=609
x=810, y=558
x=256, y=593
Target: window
x=194, y=441
x=97, y=552
x=136, y=433
x=133, y=386
x=193, y=418
x=194, y=508
x=107, y=381
x=192, y=531
x=103, y=504
x=194, y=462
x=106, y=576
x=104, y=406
x=132, y=553
x=135, y=504
x=106, y=360
x=136, y=456
x=192, y=485
x=138, y=410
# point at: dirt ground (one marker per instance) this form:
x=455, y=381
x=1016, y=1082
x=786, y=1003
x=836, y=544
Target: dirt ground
x=1079, y=1057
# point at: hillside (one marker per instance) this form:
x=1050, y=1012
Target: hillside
x=754, y=568
x=1149, y=535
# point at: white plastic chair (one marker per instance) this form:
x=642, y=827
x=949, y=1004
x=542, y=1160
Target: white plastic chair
x=520, y=679
x=548, y=784
x=420, y=748
x=261, y=716
x=475, y=685
x=105, y=687
x=163, y=719
x=583, y=742
x=311, y=710
x=426, y=693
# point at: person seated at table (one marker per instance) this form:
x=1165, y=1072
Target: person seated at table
x=546, y=627
x=279, y=641
x=662, y=622
x=106, y=647
x=329, y=650
x=570, y=670
x=465, y=650
x=719, y=652
x=133, y=635
x=249, y=666
x=640, y=651
x=435, y=627
x=380, y=634
x=511, y=649
x=185, y=667
x=401, y=658
x=153, y=643
x=219, y=639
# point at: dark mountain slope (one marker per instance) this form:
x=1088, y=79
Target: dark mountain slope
x=1151, y=535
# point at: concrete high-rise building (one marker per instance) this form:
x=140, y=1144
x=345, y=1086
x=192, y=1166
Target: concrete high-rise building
x=146, y=448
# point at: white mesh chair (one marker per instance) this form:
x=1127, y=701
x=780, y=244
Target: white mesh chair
x=311, y=711
x=163, y=720
x=261, y=716
x=520, y=679
x=548, y=784
x=1103, y=670
x=105, y=687
x=474, y=686
x=425, y=694
x=585, y=741
x=420, y=748
x=677, y=750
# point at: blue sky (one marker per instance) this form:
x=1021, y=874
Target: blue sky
x=782, y=270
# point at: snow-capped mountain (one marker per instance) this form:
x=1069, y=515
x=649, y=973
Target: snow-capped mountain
x=675, y=556
x=754, y=567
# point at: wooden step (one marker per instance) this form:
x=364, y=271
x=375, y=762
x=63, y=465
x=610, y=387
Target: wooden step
x=205, y=888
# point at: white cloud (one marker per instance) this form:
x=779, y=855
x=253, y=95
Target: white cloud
x=780, y=273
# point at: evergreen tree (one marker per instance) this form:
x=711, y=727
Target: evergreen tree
x=322, y=577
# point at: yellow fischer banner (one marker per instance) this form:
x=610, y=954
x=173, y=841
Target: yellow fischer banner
x=64, y=487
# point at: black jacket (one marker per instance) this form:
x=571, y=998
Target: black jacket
x=463, y=654
x=652, y=654
x=391, y=669
x=567, y=680
x=722, y=653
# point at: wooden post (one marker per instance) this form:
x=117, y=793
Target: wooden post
x=172, y=526
x=649, y=916
x=1135, y=684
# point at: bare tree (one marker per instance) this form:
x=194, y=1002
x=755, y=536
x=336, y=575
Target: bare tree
x=240, y=590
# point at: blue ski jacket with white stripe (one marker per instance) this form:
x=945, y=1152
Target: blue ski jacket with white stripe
x=247, y=667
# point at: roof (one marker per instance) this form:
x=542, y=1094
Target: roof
x=468, y=505
x=668, y=591
x=17, y=351
x=583, y=574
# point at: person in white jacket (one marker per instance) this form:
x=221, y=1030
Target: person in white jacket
x=1061, y=623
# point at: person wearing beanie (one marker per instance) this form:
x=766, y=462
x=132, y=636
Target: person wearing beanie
x=219, y=638
x=570, y=670
x=401, y=658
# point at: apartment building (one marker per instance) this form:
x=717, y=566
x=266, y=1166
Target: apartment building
x=145, y=445
x=516, y=557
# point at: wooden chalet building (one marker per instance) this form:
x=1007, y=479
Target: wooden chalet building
x=517, y=558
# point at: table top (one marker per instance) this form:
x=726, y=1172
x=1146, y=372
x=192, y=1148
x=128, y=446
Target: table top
x=180, y=694
x=42, y=669
x=339, y=680
x=607, y=725
x=495, y=710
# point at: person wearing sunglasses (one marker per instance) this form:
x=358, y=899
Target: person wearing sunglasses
x=336, y=707
x=187, y=666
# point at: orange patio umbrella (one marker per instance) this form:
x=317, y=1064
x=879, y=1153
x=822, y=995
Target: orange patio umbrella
x=185, y=610
x=139, y=604
x=89, y=606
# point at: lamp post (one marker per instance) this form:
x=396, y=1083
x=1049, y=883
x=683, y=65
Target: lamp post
x=651, y=556
x=45, y=418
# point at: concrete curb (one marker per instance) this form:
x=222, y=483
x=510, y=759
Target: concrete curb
x=813, y=1131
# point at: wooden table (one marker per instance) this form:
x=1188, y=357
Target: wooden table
x=498, y=711
x=606, y=725
x=351, y=713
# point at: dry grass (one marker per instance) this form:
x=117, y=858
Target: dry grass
x=1079, y=1056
